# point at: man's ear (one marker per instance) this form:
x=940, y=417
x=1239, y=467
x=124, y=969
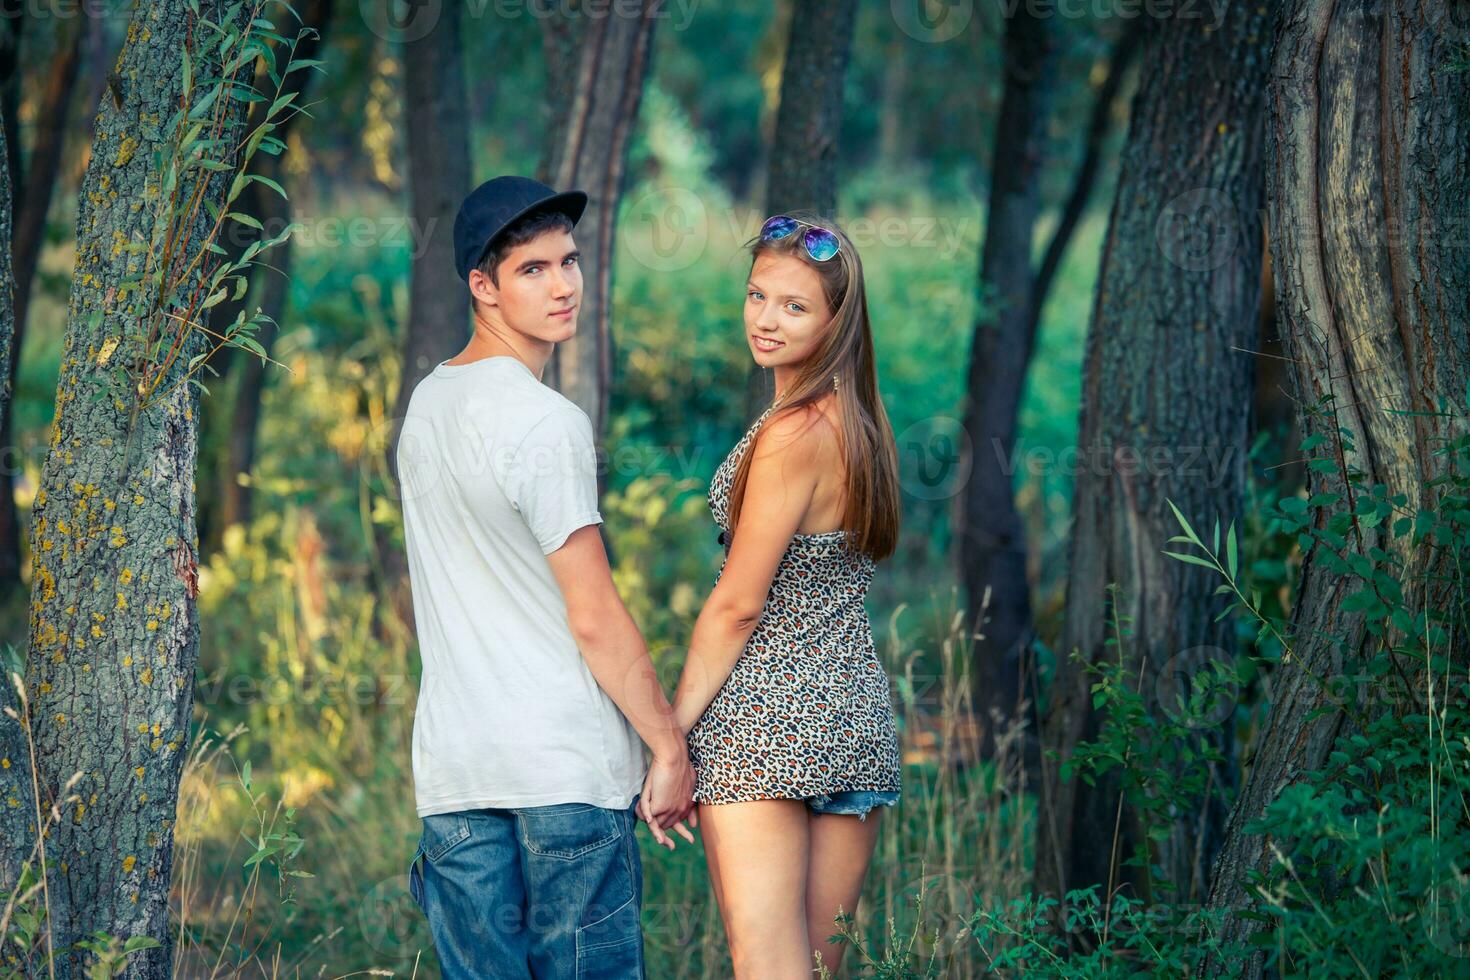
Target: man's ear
x=481, y=288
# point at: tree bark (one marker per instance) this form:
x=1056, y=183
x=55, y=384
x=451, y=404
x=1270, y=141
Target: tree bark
x=992, y=541
x=803, y=173
x=611, y=67
x=1164, y=413
x=7, y=285
x=113, y=624
x=29, y=235
x=1369, y=179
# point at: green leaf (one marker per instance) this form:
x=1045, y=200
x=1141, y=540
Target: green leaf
x=1230, y=552
x=1183, y=523
x=269, y=183
x=1192, y=559
x=298, y=63
x=246, y=219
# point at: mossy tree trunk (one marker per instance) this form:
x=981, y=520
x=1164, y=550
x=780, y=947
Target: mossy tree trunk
x=1368, y=173
x=113, y=626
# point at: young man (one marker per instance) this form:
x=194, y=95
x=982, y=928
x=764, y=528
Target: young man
x=537, y=685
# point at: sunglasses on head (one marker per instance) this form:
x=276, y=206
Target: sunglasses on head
x=821, y=244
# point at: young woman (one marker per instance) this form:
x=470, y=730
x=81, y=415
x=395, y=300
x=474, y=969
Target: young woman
x=785, y=703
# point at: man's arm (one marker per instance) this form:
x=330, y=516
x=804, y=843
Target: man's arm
x=611, y=644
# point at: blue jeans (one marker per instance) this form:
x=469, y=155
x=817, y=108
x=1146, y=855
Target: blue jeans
x=542, y=891
x=857, y=801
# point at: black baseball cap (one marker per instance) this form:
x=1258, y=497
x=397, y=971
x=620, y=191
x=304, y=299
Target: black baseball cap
x=492, y=206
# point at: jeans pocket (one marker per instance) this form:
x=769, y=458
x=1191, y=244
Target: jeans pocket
x=416, y=878
x=567, y=830
x=612, y=947
x=441, y=832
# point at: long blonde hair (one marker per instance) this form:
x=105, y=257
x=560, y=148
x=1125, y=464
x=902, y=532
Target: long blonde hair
x=870, y=452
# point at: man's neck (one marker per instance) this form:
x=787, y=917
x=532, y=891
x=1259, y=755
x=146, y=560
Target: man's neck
x=493, y=339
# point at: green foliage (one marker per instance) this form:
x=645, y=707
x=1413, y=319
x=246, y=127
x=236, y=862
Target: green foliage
x=173, y=275
x=1139, y=939
x=1163, y=758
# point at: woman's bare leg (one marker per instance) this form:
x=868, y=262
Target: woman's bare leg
x=841, y=845
x=757, y=857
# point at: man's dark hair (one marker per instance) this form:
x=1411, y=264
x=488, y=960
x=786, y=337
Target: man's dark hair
x=517, y=233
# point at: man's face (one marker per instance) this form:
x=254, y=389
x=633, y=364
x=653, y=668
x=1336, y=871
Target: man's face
x=540, y=291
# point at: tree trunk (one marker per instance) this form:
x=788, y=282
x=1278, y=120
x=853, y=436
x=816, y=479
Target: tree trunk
x=12, y=26
x=992, y=542
x=1164, y=413
x=1124, y=51
x=113, y=627
x=803, y=172
x=235, y=452
x=29, y=236
x=612, y=64
x=1369, y=176
x=439, y=178
x=7, y=284
x=439, y=175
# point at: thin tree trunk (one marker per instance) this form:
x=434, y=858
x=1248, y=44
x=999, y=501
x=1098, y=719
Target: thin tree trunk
x=29, y=235
x=803, y=171
x=113, y=628
x=992, y=551
x=1369, y=176
x=992, y=542
x=611, y=67
x=1164, y=413
x=1122, y=56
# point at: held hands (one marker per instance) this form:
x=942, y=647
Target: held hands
x=668, y=798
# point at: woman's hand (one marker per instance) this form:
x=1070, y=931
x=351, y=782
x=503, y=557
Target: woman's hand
x=667, y=798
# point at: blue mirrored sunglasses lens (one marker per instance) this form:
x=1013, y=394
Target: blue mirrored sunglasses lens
x=778, y=227
x=821, y=244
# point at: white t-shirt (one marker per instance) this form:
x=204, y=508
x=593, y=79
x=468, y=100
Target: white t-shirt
x=496, y=470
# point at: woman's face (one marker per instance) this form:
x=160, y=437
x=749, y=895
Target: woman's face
x=785, y=311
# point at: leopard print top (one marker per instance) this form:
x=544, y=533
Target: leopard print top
x=806, y=709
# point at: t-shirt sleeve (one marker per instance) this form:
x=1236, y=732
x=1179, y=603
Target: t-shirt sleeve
x=552, y=478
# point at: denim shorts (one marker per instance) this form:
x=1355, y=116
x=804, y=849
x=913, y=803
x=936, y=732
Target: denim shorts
x=857, y=802
x=544, y=891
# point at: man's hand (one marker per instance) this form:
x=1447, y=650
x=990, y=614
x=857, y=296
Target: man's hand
x=668, y=797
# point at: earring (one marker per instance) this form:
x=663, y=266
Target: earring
x=835, y=382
